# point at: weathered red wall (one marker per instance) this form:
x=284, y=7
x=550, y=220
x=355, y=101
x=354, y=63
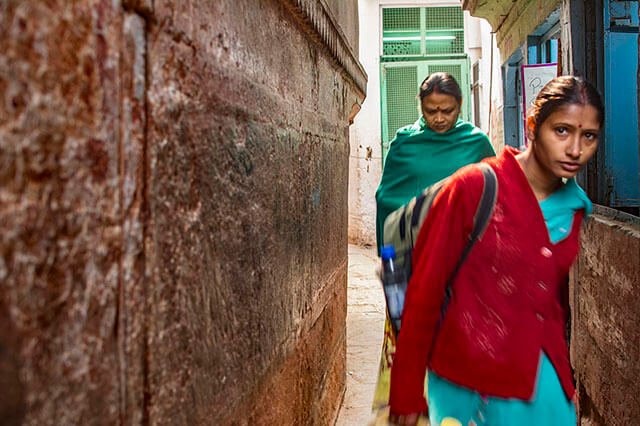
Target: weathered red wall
x=70, y=221
x=606, y=332
x=173, y=211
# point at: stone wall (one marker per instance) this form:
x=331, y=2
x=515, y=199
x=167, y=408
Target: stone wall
x=71, y=227
x=173, y=210
x=606, y=314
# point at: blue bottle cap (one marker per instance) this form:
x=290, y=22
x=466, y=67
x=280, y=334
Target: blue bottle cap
x=388, y=252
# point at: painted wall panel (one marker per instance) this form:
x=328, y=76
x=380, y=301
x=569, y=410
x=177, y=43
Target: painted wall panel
x=622, y=180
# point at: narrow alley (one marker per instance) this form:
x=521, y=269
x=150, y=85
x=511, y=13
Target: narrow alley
x=188, y=207
x=365, y=326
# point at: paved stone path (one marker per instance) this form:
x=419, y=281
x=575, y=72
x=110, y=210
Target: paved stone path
x=365, y=324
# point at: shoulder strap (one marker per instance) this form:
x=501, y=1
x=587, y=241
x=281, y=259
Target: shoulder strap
x=480, y=222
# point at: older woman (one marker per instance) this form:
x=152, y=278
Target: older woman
x=434, y=147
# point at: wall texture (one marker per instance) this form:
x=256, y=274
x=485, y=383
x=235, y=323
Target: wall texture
x=606, y=314
x=173, y=210
x=512, y=20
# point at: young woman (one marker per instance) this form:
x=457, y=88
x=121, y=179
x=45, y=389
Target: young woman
x=434, y=147
x=499, y=354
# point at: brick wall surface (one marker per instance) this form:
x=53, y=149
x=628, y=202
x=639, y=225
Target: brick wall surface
x=606, y=309
x=173, y=211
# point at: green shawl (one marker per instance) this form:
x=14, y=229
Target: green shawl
x=419, y=157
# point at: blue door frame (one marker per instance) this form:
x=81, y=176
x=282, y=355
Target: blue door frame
x=621, y=103
x=512, y=112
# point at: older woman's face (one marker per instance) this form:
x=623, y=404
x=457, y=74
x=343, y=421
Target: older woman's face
x=440, y=111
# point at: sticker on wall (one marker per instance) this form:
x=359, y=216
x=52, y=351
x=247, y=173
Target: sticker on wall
x=534, y=77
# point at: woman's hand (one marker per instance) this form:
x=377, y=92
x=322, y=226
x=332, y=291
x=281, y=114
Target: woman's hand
x=404, y=420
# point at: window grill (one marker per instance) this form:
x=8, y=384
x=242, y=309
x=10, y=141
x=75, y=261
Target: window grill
x=402, y=104
x=401, y=19
x=454, y=70
x=422, y=32
x=444, y=18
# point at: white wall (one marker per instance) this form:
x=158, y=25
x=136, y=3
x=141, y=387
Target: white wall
x=478, y=44
x=365, y=134
x=495, y=129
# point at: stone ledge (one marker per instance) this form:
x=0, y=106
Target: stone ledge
x=616, y=215
x=317, y=14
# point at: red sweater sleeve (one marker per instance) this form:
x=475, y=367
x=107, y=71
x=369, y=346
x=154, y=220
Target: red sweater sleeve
x=438, y=247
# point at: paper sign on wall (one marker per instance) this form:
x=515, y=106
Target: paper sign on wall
x=534, y=77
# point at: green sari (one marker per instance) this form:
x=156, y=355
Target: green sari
x=419, y=157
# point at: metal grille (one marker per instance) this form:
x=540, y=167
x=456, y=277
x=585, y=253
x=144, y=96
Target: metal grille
x=445, y=44
x=454, y=70
x=401, y=48
x=402, y=105
x=444, y=18
x=426, y=31
x=401, y=19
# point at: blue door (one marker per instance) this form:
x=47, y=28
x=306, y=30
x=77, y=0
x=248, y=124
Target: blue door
x=621, y=103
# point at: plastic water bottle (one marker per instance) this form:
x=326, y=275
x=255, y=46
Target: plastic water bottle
x=394, y=283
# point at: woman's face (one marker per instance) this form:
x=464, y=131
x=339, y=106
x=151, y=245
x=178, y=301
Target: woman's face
x=566, y=140
x=440, y=111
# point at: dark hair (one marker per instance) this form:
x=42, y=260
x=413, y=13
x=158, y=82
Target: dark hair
x=440, y=82
x=561, y=91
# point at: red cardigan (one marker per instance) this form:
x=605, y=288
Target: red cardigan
x=510, y=298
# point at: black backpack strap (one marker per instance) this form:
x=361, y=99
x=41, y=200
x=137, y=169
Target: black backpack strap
x=415, y=215
x=480, y=222
x=402, y=225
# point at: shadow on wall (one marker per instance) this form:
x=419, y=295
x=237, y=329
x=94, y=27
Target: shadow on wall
x=13, y=405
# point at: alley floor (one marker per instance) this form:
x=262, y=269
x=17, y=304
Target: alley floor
x=365, y=323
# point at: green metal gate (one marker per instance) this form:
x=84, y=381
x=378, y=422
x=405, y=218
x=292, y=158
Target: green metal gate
x=418, y=41
x=399, y=87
